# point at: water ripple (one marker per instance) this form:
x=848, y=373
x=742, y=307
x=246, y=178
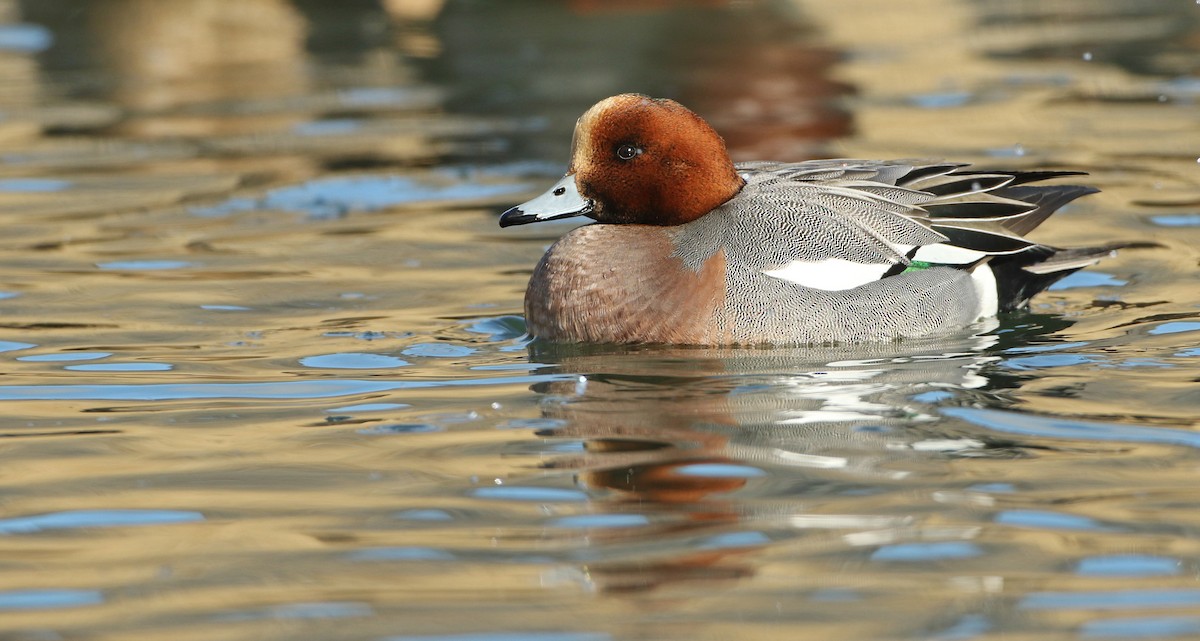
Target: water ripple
x=923, y=552
x=1115, y=600
x=302, y=611
x=352, y=360
x=1058, y=427
x=76, y=519
x=48, y=599
x=509, y=636
x=322, y=388
x=1044, y=520
x=538, y=494
x=1128, y=565
x=1141, y=628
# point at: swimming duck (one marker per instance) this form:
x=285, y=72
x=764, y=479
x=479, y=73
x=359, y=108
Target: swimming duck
x=691, y=249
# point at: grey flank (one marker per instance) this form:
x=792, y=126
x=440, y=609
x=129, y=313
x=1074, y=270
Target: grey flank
x=874, y=212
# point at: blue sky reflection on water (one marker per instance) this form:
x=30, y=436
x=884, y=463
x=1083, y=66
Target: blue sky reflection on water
x=48, y=599
x=76, y=519
x=326, y=388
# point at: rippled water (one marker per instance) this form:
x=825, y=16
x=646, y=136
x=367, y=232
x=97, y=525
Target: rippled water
x=264, y=374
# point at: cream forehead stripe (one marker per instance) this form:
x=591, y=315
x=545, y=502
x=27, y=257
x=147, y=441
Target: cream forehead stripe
x=582, y=142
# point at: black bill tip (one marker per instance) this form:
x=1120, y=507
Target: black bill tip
x=516, y=216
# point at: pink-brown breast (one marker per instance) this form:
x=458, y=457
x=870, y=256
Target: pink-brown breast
x=620, y=284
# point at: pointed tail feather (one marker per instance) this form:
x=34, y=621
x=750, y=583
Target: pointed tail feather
x=1022, y=177
x=1046, y=199
x=1019, y=277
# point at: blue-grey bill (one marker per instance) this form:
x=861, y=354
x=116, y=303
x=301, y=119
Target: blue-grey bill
x=562, y=200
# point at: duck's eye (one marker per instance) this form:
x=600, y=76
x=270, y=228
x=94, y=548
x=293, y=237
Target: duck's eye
x=627, y=152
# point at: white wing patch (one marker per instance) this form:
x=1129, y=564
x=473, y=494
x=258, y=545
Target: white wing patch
x=831, y=274
x=946, y=254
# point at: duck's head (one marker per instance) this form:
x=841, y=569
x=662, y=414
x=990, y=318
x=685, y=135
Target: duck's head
x=636, y=159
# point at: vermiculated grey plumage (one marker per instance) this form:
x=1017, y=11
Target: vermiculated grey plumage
x=872, y=212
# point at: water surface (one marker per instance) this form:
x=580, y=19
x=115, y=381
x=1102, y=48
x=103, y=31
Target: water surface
x=264, y=371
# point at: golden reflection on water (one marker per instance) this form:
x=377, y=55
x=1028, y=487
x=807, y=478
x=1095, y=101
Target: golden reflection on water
x=168, y=55
x=310, y=402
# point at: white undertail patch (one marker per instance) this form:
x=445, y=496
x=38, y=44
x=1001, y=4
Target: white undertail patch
x=985, y=286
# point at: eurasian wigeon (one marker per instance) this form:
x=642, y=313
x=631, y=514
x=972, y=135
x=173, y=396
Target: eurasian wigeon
x=690, y=248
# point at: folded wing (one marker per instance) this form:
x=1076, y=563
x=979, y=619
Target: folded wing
x=839, y=224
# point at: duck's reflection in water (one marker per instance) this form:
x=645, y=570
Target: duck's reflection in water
x=723, y=451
